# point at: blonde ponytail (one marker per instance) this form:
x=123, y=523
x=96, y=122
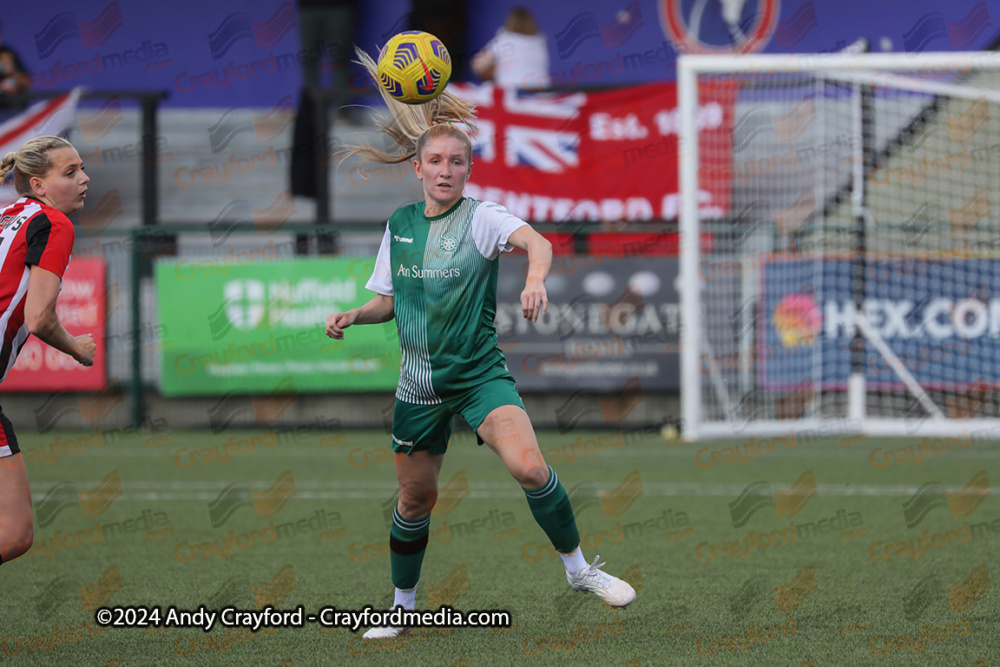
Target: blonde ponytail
x=410, y=126
x=6, y=164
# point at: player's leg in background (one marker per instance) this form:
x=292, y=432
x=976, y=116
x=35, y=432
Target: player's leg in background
x=508, y=432
x=17, y=529
x=417, y=474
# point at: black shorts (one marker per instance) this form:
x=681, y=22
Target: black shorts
x=8, y=441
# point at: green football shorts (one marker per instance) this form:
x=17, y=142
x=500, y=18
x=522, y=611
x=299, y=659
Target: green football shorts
x=419, y=428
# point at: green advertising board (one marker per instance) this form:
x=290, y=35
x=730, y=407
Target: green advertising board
x=260, y=328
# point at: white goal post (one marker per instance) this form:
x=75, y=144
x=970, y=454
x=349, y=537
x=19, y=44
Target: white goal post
x=851, y=282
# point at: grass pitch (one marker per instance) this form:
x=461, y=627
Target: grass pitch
x=782, y=552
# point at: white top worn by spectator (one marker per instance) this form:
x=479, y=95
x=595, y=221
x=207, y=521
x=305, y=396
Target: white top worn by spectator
x=522, y=61
x=518, y=57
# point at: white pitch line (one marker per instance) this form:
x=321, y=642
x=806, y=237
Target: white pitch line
x=691, y=488
x=493, y=490
x=557, y=454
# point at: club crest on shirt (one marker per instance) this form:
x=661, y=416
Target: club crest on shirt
x=448, y=244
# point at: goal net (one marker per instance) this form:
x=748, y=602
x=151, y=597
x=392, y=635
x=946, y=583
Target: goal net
x=848, y=279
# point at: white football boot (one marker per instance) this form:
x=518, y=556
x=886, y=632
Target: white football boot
x=612, y=590
x=386, y=633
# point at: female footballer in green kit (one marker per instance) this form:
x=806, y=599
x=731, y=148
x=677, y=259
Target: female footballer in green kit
x=436, y=274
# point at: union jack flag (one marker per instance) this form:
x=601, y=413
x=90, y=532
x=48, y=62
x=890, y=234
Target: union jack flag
x=536, y=130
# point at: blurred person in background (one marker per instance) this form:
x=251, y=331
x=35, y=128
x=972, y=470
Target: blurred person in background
x=14, y=80
x=518, y=56
x=448, y=20
x=326, y=31
x=37, y=239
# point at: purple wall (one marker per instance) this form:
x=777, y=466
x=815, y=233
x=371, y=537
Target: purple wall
x=219, y=54
x=247, y=52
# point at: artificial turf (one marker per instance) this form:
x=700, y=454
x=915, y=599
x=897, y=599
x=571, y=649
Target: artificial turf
x=807, y=552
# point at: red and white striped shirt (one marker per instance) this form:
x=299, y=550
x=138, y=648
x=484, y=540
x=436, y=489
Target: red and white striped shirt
x=31, y=234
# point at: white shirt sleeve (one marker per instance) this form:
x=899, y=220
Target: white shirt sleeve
x=492, y=225
x=381, y=280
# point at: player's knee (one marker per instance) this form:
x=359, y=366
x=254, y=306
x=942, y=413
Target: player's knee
x=533, y=477
x=530, y=458
x=16, y=539
x=415, y=504
x=27, y=538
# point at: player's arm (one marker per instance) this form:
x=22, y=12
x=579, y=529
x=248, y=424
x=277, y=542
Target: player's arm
x=534, y=300
x=42, y=321
x=379, y=309
x=376, y=311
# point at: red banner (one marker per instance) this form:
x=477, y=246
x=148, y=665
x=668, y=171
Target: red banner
x=82, y=308
x=602, y=156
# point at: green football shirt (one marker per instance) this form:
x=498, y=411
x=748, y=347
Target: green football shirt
x=442, y=274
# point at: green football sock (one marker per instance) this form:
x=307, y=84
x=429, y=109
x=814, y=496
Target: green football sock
x=407, y=543
x=552, y=510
